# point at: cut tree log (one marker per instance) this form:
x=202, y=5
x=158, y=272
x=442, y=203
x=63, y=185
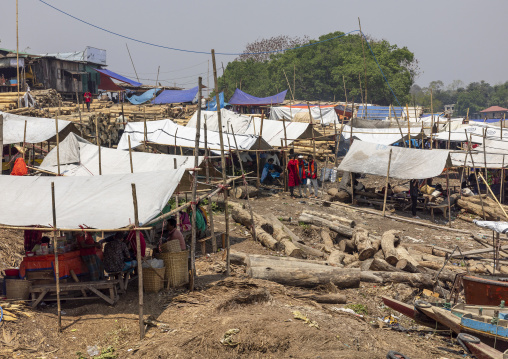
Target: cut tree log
x=336, y=227
x=347, y=246
x=350, y=258
x=331, y=298
x=417, y=280
x=407, y=266
x=402, y=253
x=491, y=212
x=331, y=217
x=327, y=240
x=240, y=193
x=284, y=238
x=336, y=258
x=363, y=244
x=378, y=265
x=243, y=217
x=388, y=241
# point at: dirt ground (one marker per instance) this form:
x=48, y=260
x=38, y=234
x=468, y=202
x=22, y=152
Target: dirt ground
x=192, y=324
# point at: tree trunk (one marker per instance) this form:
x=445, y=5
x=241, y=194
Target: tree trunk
x=284, y=238
x=388, y=245
x=240, y=193
x=490, y=213
x=363, y=244
x=407, y=266
x=402, y=253
x=330, y=217
x=321, y=298
x=379, y=265
x=336, y=258
x=337, y=228
x=417, y=280
x=347, y=246
x=327, y=240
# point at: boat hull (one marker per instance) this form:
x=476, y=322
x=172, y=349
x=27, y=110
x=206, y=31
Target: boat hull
x=482, y=291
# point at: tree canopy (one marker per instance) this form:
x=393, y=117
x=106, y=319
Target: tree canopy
x=316, y=72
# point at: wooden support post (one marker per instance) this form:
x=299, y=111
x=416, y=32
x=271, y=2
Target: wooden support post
x=449, y=134
x=176, y=198
x=140, y=266
x=55, y=251
x=209, y=207
x=130, y=154
x=284, y=154
x=386, y=184
x=400, y=128
x=123, y=115
x=17, y=55
x=485, y=155
x=2, y=143
x=408, y=126
x=195, y=186
x=501, y=191
x=24, y=141
x=311, y=121
x=57, y=145
x=431, y=121
x=97, y=141
x=223, y=161
x=364, y=65
x=253, y=226
x=476, y=176
x=257, y=152
x=448, y=194
x=145, y=134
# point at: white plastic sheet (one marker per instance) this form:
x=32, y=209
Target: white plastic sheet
x=37, y=129
x=493, y=160
x=382, y=136
x=499, y=227
x=406, y=163
x=474, y=131
x=78, y=157
x=166, y=132
x=102, y=202
x=325, y=115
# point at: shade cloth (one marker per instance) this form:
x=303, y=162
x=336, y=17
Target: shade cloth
x=273, y=131
x=166, y=132
x=37, y=129
x=144, y=97
x=212, y=105
x=406, y=163
x=78, y=157
x=475, y=130
x=493, y=160
x=100, y=202
x=176, y=96
x=499, y=227
x=382, y=136
x=325, y=115
x=118, y=77
x=243, y=98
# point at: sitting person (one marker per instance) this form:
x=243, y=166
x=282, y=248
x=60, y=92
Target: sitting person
x=269, y=172
x=174, y=233
x=132, y=246
x=117, y=256
x=37, y=247
x=89, y=256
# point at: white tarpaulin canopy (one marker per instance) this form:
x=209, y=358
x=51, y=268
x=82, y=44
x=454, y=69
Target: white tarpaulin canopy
x=493, y=160
x=382, y=136
x=476, y=131
x=37, y=129
x=101, y=202
x=406, y=163
x=325, y=116
x=78, y=157
x=273, y=131
x=166, y=132
x=499, y=227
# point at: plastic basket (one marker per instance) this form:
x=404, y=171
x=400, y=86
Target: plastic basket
x=177, y=267
x=171, y=246
x=18, y=289
x=153, y=279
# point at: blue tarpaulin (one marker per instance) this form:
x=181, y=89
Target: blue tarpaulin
x=242, y=98
x=147, y=96
x=176, y=96
x=212, y=105
x=118, y=77
x=380, y=112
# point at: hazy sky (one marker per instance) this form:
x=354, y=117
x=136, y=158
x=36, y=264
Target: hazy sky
x=453, y=40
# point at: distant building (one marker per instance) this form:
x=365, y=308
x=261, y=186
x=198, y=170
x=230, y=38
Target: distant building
x=449, y=109
x=494, y=112
x=68, y=73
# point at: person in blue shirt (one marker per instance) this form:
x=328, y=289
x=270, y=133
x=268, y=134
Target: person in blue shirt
x=269, y=172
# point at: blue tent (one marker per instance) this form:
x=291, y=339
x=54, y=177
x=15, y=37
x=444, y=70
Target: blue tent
x=176, y=96
x=212, y=105
x=242, y=98
x=118, y=77
x=147, y=96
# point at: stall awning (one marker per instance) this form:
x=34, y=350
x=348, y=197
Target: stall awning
x=176, y=96
x=243, y=98
x=118, y=77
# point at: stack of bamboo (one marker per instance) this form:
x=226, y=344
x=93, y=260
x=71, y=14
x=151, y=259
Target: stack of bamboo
x=106, y=125
x=9, y=100
x=306, y=147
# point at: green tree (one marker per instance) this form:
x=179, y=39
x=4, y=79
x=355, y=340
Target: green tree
x=317, y=71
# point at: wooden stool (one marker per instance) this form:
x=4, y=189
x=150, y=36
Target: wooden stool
x=442, y=207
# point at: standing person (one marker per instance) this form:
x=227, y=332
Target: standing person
x=87, y=251
x=88, y=99
x=413, y=192
x=312, y=176
x=293, y=178
x=302, y=173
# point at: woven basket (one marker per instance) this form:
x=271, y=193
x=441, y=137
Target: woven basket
x=18, y=289
x=177, y=267
x=153, y=279
x=171, y=246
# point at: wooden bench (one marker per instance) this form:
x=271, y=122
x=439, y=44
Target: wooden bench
x=203, y=241
x=441, y=207
x=39, y=292
x=123, y=279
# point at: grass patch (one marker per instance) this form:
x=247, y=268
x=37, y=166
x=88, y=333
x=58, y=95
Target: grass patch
x=358, y=308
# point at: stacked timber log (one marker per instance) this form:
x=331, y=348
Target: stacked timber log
x=108, y=128
x=306, y=147
x=47, y=98
x=473, y=204
x=346, y=256
x=9, y=100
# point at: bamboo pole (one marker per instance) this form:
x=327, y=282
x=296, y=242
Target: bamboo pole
x=24, y=140
x=290, y=89
x=364, y=65
x=194, y=186
x=284, y=153
x=386, y=184
x=140, y=266
x=176, y=197
x=449, y=134
x=467, y=115
x=474, y=170
x=398, y=125
x=502, y=126
x=448, y=194
x=97, y=141
x=485, y=155
x=55, y=251
x=132, y=62
x=57, y=146
x=210, y=209
x=223, y=161
x=432, y=121
x=259, y=146
x=408, y=127
x=145, y=134
x=130, y=154
x=2, y=143
x=501, y=192
x=311, y=121
x=17, y=55
x=253, y=226
x=492, y=194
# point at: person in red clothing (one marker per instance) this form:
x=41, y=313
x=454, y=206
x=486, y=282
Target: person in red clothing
x=132, y=246
x=87, y=251
x=88, y=99
x=293, y=174
x=312, y=176
x=302, y=173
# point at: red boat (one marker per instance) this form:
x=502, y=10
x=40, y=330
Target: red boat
x=422, y=315
x=485, y=291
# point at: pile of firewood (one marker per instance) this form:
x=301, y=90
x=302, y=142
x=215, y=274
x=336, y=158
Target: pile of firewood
x=107, y=126
x=47, y=98
x=346, y=256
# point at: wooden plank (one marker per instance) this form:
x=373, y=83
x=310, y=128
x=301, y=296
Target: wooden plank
x=40, y=298
x=102, y=295
x=476, y=251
